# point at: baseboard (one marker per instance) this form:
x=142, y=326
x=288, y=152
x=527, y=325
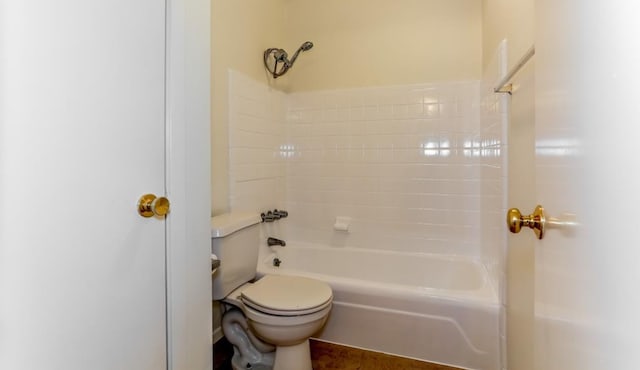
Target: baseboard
x=217, y=334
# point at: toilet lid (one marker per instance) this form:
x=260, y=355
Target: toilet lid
x=287, y=294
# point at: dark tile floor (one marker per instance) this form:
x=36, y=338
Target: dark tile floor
x=222, y=352
x=329, y=356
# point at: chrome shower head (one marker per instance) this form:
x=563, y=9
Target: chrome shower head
x=307, y=45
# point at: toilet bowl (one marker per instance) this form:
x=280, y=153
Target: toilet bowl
x=277, y=310
x=285, y=311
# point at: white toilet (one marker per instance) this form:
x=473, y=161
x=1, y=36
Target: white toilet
x=276, y=310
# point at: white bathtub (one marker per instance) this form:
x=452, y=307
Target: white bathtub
x=435, y=308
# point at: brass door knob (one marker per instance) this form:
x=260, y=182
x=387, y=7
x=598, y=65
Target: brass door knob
x=150, y=205
x=535, y=221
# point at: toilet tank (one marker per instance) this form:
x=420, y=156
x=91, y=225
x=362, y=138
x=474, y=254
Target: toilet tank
x=235, y=238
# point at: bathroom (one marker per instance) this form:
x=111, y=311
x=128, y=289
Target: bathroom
x=370, y=144
x=389, y=90
x=87, y=283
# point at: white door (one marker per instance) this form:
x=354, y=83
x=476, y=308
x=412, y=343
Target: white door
x=82, y=275
x=587, y=278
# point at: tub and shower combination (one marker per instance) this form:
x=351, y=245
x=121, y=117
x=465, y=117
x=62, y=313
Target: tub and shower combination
x=403, y=165
x=435, y=308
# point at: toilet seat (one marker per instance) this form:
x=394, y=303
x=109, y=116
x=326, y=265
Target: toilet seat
x=291, y=313
x=282, y=295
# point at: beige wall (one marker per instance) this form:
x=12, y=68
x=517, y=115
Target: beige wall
x=361, y=43
x=241, y=30
x=514, y=21
x=507, y=19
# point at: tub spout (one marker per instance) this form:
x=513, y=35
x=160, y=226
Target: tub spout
x=275, y=241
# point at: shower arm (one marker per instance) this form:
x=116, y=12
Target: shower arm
x=294, y=57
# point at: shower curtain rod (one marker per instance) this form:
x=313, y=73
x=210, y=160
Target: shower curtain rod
x=505, y=87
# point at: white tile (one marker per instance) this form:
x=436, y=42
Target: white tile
x=400, y=111
x=362, y=150
x=356, y=113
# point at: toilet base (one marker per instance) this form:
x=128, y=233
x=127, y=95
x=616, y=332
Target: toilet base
x=265, y=364
x=296, y=357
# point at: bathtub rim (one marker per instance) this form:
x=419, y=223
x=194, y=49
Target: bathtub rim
x=486, y=294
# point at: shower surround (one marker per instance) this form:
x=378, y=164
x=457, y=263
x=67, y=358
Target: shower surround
x=400, y=162
x=404, y=163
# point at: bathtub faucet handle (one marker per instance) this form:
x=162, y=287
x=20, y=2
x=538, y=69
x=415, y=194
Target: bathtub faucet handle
x=267, y=218
x=274, y=241
x=275, y=215
x=280, y=213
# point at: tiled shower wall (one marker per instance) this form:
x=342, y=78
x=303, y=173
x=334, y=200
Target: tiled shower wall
x=409, y=166
x=400, y=162
x=256, y=131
